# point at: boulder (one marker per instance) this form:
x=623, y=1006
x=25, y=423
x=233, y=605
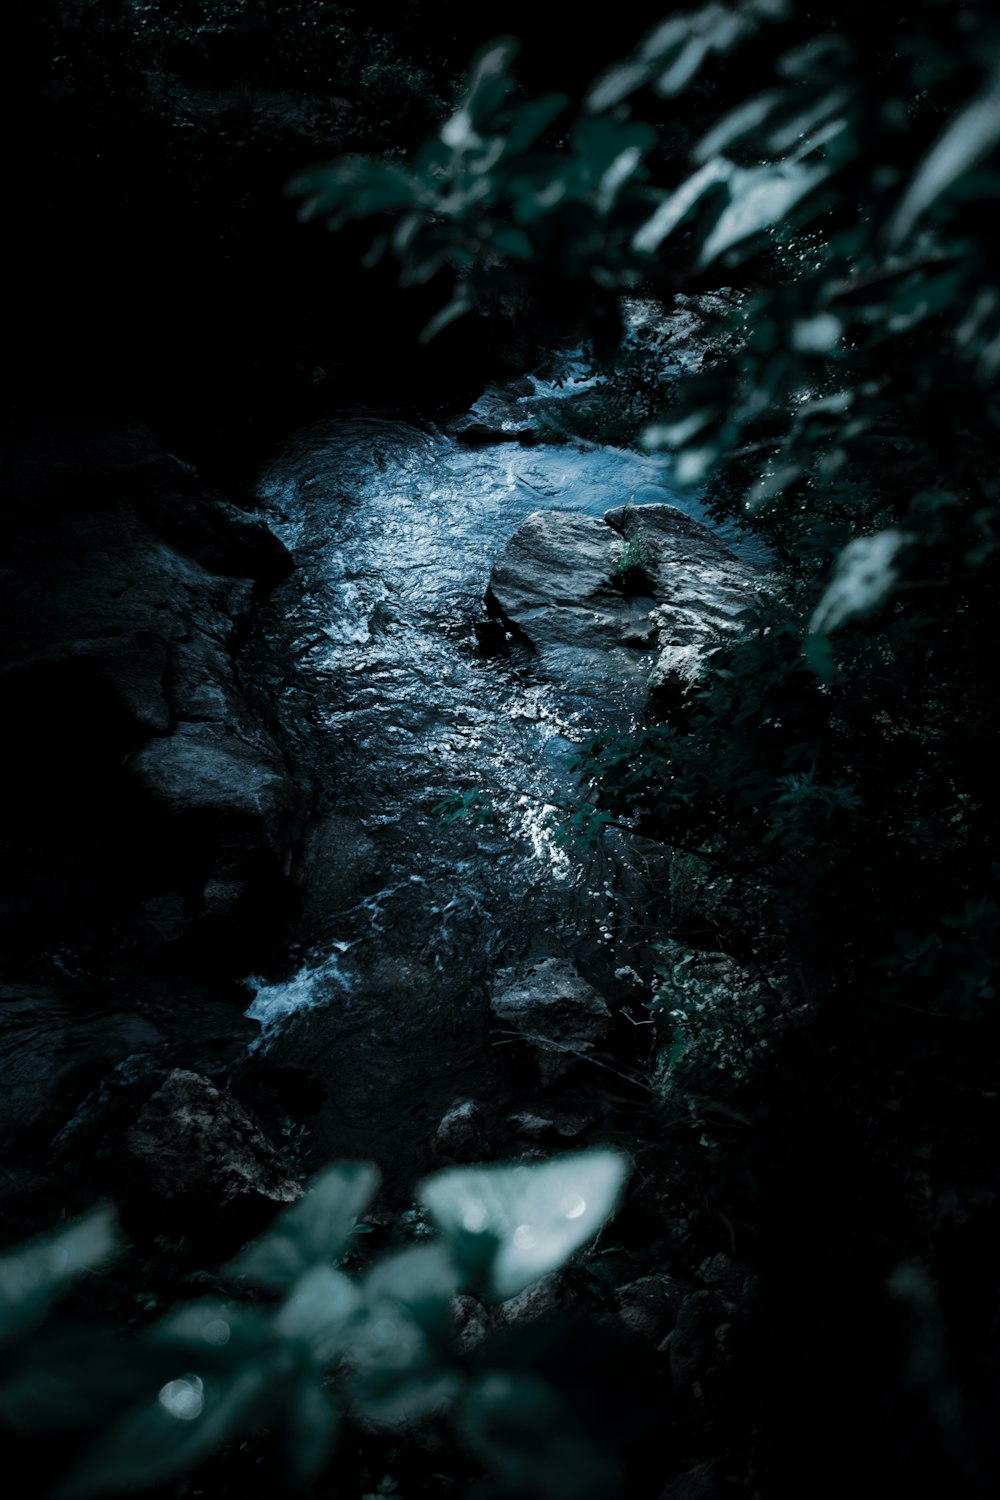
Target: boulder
x=52, y=1053
x=700, y=588
x=694, y=1348
x=215, y=779
x=536, y=1301
x=649, y=1306
x=496, y=417
x=613, y=606
x=553, y=1008
x=194, y=1147
x=122, y=613
x=461, y=1135
x=548, y=1129
x=471, y=1322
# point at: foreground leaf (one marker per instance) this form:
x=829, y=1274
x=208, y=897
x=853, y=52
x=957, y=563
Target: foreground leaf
x=315, y=1230
x=530, y=1218
x=533, y=1441
x=178, y=1428
x=33, y=1276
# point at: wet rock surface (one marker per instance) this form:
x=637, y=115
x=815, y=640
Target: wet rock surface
x=51, y=1048
x=195, y=1148
x=648, y=1307
x=145, y=771
x=461, y=1135
x=554, y=1011
x=597, y=621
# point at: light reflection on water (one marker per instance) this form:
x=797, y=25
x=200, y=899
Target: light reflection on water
x=394, y=531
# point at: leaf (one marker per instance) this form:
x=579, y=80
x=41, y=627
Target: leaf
x=820, y=657
x=357, y=187
x=462, y=302
x=531, y=119
x=738, y=123
x=530, y=1217
x=799, y=119
x=487, y=87
x=667, y=36
x=673, y=210
x=683, y=66
x=674, y=434
x=616, y=84
x=72, y=1376
x=171, y=1433
x=970, y=136
x=313, y=1423
x=601, y=143
x=34, y=1275
x=315, y=1230
x=422, y=1279
x=510, y=240
x=319, y=1313
x=817, y=59
x=534, y=1442
x=864, y=576
x=397, y=1352
x=219, y=1332
x=758, y=199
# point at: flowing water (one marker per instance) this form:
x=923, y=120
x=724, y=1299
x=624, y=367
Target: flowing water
x=393, y=708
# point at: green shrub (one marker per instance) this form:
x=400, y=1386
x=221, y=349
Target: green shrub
x=308, y=1345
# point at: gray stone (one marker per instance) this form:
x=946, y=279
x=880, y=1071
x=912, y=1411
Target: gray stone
x=472, y=1322
x=542, y=1297
x=128, y=585
x=699, y=587
x=548, y=1128
x=496, y=417
x=202, y=770
x=460, y=1135
x=191, y=1142
x=50, y=1049
x=553, y=1008
x=693, y=1346
x=557, y=585
x=697, y=1484
x=649, y=1306
x=723, y=1274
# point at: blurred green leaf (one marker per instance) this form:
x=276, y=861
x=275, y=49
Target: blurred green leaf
x=319, y=1312
x=33, y=1276
x=312, y=1425
x=864, y=576
x=213, y=1332
x=422, y=1279
x=530, y=118
x=315, y=1230
x=532, y=1217
x=758, y=200
x=533, y=1441
x=173, y=1431
x=461, y=303
x=967, y=138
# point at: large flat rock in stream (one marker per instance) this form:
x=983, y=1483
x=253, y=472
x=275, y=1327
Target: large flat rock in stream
x=559, y=585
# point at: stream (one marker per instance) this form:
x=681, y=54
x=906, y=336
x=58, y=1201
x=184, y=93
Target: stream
x=392, y=707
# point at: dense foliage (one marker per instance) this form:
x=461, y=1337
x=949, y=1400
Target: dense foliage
x=310, y=1345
